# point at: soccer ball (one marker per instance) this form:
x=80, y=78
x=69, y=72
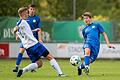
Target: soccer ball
x=75, y=60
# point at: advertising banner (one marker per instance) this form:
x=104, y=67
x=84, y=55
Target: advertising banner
x=4, y=50
x=65, y=50
x=62, y=31
x=6, y=26
x=14, y=50
x=71, y=31
x=106, y=52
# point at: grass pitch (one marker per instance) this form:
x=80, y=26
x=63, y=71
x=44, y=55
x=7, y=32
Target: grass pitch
x=99, y=70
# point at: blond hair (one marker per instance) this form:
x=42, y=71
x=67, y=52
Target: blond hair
x=20, y=10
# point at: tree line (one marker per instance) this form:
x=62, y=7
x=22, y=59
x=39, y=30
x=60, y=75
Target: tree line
x=62, y=10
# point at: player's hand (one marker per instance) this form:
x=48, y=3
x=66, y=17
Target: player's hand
x=40, y=40
x=37, y=29
x=15, y=29
x=111, y=46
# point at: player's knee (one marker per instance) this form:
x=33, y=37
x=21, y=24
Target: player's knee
x=49, y=56
x=22, y=50
x=39, y=63
x=87, y=54
x=87, y=51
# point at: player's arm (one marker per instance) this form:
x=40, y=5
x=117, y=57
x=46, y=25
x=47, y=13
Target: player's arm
x=17, y=38
x=15, y=29
x=39, y=33
x=107, y=40
x=36, y=30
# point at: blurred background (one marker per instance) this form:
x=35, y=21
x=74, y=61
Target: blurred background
x=61, y=23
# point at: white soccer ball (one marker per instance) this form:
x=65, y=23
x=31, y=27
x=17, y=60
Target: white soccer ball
x=75, y=60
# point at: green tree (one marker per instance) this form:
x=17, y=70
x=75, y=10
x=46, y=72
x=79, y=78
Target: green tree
x=10, y=7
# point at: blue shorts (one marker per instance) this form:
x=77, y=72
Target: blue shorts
x=94, y=50
x=36, y=51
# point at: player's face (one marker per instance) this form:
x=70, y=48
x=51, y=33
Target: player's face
x=31, y=11
x=24, y=14
x=87, y=20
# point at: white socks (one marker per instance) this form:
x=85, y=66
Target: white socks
x=30, y=67
x=55, y=65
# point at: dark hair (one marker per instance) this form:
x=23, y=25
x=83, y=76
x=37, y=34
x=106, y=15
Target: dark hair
x=20, y=10
x=87, y=14
x=31, y=5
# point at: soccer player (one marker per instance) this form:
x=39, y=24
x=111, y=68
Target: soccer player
x=33, y=47
x=34, y=22
x=91, y=33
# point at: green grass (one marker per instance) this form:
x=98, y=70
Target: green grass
x=99, y=70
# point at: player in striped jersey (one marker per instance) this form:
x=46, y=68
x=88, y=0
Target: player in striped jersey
x=33, y=48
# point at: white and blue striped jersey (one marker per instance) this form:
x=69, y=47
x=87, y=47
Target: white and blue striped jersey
x=25, y=34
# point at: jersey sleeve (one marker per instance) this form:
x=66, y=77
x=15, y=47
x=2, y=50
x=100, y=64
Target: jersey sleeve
x=100, y=28
x=18, y=22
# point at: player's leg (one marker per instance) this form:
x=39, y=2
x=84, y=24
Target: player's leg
x=92, y=57
x=53, y=63
x=42, y=51
x=36, y=63
x=19, y=58
x=86, y=62
x=30, y=67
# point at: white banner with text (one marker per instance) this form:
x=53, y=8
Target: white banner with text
x=66, y=50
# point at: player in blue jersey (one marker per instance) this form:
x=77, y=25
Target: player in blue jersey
x=91, y=34
x=32, y=46
x=34, y=22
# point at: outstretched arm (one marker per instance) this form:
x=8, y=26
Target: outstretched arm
x=39, y=33
x=107, y=40
x=36, y=30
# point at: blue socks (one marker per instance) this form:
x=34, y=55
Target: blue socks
x=19, y=58
x=86, y=60
x=82, y=66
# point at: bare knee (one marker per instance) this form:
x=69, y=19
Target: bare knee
x=39, y=63
x=87, y=51
x=22, y=50
x=49, y=57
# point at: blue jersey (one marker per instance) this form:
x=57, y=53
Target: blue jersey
x=91, y=34
x=34, y=22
